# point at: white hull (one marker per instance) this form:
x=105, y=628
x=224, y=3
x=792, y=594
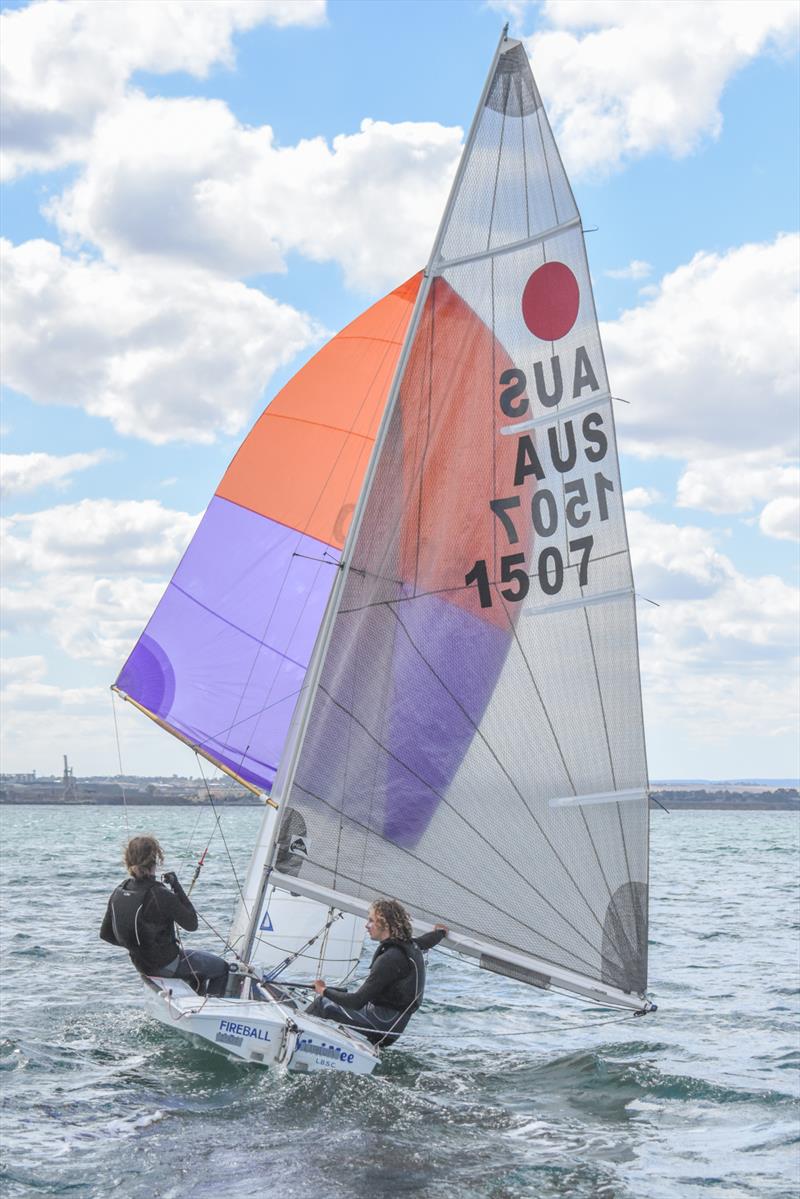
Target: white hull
x=265, y=1032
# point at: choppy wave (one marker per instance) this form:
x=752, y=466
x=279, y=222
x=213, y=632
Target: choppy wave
x=498, y=1092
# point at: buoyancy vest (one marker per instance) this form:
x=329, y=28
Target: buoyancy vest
x=128, y=902
x=405, y=995
x=148, y=937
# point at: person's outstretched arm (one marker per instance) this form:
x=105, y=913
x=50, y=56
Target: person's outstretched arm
x=428, y=940
x=175, y=904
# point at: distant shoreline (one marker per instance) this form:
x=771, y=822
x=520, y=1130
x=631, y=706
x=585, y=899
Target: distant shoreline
x=753, y=798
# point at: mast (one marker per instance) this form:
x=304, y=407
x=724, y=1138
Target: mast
x=262, y=858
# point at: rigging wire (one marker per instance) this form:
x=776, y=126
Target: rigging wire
x=553, y=1026
x=217, y=825
x=299, y=952
x=121, y=773
x=188, y=849
x=323, y=932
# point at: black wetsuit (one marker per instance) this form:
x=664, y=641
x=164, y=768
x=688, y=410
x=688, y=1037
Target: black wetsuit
x=388, y=996
x=141, y=916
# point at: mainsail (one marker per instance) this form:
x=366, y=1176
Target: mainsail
x=474, y=745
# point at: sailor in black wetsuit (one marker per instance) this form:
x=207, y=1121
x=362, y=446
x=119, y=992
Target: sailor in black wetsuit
x=392, y=991
x=141, y=917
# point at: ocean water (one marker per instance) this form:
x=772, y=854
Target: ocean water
x=501, y=1091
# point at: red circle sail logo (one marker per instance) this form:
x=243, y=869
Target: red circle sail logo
x=550, y=301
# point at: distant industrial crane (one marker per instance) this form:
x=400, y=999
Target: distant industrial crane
x=68, y=779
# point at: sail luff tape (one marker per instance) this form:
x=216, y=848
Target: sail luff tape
x=186, y=741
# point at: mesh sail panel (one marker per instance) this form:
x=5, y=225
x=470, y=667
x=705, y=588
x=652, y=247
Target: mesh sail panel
x=475, y=747
x=513, y=185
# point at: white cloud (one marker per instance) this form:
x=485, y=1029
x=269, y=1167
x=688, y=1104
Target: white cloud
x=621, y=79
x=88, y=575
x=709, y=364
x=29, y=669
x=719, y=655
x=675, y=561
x=710, y=611
x=183, y=179
x=642, y=497
x=781, y=518
x=43, y=720
x=31, y=695
x=636, y=269
x=27, y=472
x=63, y=63
x=162, y=354
x=97, y=537
x=24, y=608
x=85, y=579
x=733, y=484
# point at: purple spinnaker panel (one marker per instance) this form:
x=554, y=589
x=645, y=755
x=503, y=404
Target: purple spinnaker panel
x=223, y=658
x=446, y=660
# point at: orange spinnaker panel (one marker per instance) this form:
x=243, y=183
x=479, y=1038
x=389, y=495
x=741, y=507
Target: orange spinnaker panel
x=304, y=461
x=456, y=460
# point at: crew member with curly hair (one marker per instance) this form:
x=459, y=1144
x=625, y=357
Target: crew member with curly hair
x=141, y=917
x=392, y=991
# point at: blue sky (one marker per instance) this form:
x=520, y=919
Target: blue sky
x=195, y=195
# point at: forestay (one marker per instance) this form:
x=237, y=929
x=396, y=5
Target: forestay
x=475, y=745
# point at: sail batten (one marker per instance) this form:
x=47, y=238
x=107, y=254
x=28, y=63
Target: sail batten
x=574, y=801
x=583, y=601
x=443, y=264
x=552, y=418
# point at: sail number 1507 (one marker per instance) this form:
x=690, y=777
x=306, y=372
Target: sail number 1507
x=549, y=564
x=549, y=570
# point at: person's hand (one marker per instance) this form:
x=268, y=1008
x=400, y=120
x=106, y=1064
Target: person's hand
x=170, y=878
x=443, y=927
x=319, y=985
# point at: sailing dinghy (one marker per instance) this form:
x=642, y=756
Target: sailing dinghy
x=407, y=620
